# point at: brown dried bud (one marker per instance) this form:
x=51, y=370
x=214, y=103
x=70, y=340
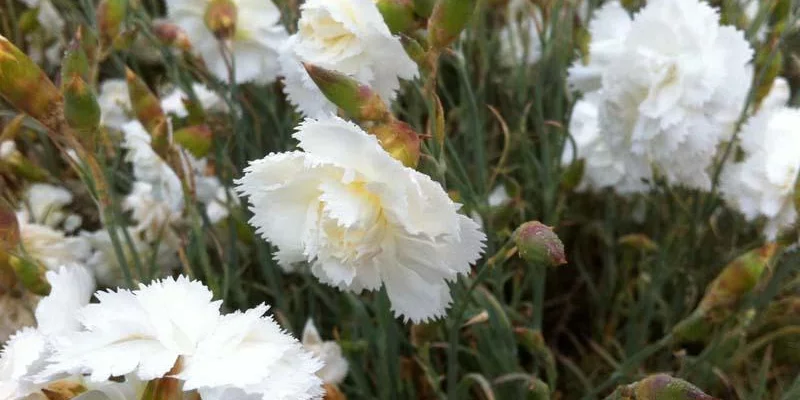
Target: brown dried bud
x=172, y=35
x=9, y=228
x=538, y=244
x=661, y=387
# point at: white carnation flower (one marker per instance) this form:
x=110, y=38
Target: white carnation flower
x=602, y=169
x=520, y=41
x=150, y=168
x=347, y=36
x=255, y=44
x=44, y=204
x=51, y=247
x=17, y=359
x=152, y=213
x=361, y=219
x=173, y=327
x=335, y=369
x=762, y=185
x=106, y=265
x=115, y=103
x=25, y=354
x=208, y=100
x=71, y=289
x=674, y=90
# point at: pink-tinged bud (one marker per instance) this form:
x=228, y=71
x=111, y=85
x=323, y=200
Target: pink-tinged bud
x=196, y=139
x=148, y=110
x=660, y=387
x=538, y=244
x=9, y=228
x=172, y=35
x=220, y=18
x=31, y=274
x=398, y=14
x=26, y=87
x=358, y=101
x=448, y=19
x=399, y=140
x=110, y=15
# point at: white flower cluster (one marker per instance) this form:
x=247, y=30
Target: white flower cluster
x=667, y=88
x=346, y=36
x=762, y=184
x=168, y=329
x=361, y=222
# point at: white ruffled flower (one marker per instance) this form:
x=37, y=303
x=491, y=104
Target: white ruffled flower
x=335, y=369
x=520, y=42
x=150, y=168
x=208, y=100
x=44, y=204
x=762, y=185
x=602, y=169
x=173, y=326
x=115, y=103
x=152, y=213
x=348, y=36
x=674, y=90
x=71, y=289
x=51, y=247
x=361, y=219
x=17, y=359
x=24, y=355
x=255, y=44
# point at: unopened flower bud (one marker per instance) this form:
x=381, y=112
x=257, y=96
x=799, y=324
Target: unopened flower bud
x=448, y=19
x=26, y=87
x=538, y=244
x=29, y=20
x=171, y=35
x=81, y=109
x=533, y=341
x=75, y=61
x=196, y=139
x=220, y=18
x=31, y=274
x=573, y=175
x=737, y=278
x=145, y=104
x=63, y=389
x=769, y=64
x=358, y=101
x=414, y=49
x=661, y=386
x=9, y=228
x=538, y=390
x=638, y=241
x=332, y=392
x=110, y=15
x=399, y=140
x=398, y=14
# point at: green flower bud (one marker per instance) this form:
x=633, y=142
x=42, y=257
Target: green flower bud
x=358, y=101
x=424, y=8
x=26, y=87
x=538, y=244
x=148, y=110
x=31, y=274
x=737, y=278
x=81, y=109
x=398, y=14
x=196, y=139
x=448, y=19
x=75, y=61
x=110, y=16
